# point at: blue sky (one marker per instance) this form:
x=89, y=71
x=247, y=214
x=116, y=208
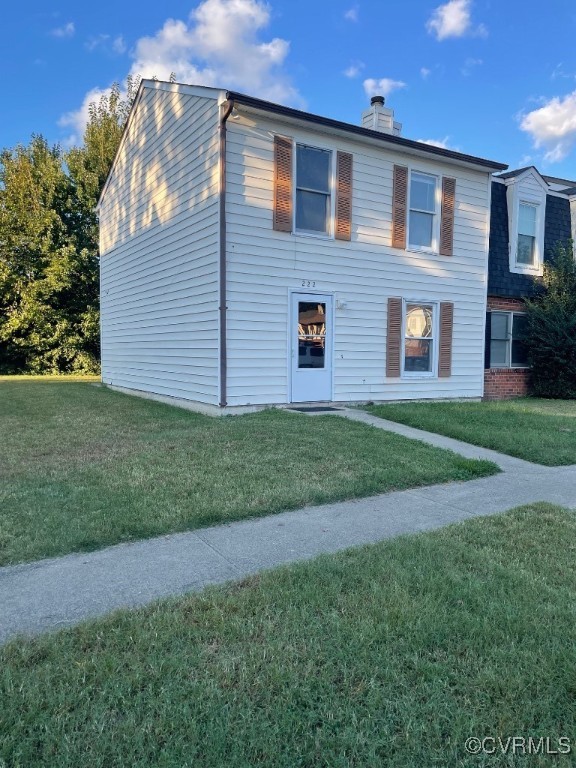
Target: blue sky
x=488, y=77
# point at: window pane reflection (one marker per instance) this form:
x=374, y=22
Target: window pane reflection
x=311, y=334
x=418, y=355
x=311, y=211
x=421, y=225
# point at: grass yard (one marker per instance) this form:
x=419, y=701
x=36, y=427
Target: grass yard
x=82, y=466
x=388, y=655
x=541, y=431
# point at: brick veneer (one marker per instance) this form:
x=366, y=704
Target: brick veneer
x=502, y=383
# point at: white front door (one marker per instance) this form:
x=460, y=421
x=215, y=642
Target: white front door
x=311, y=347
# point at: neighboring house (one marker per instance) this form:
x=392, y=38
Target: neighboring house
x=253, y=254
x=531, y=214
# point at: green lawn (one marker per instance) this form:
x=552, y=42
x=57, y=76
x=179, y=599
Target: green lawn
x=389, y=655
x=541, y=431
x=82, y=466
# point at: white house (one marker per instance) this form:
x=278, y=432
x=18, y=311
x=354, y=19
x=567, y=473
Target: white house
x=253, y=254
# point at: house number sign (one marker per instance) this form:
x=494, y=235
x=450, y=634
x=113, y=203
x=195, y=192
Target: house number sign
x=308, y=283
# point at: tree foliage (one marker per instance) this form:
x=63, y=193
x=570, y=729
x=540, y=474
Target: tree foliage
x=551, y=328
x=49, y=317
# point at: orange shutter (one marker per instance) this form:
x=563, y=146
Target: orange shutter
x=394, y=337
x=282, y=184
x=399, y=206
x=447, y=216
x=343, y=228
x=446, y=324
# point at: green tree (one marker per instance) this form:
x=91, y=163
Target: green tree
x=41, y=267
x=49, y=317
x=551, y=328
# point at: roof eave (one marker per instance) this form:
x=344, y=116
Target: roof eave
x=356, y=130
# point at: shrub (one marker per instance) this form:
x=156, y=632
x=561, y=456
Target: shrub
x=551, y=328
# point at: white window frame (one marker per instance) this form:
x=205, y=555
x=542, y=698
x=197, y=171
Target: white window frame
x=329, y=235
x=435, y=247
x=526, y=190
x=536, y=208
x=508, y=364
x=433, y=374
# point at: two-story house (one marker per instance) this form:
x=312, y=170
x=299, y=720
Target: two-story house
x=254, y=254
x=531, y=215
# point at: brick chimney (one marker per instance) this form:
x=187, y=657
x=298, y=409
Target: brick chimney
x=380, y=118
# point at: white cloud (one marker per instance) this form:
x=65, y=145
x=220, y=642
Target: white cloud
x=106, y=43
x=454, y=19
x=442, y=143
x=425, y=73
x=67, y=30
x=382, y=87
x=118, y=45
x=219, y=45
x=469, y=65
x=354, y=69
x=559, y=72
x=77, y=119
x=352, y=13
x=525, y=161
x=553, y=126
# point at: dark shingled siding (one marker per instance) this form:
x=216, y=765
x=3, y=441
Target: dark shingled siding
x=502, y=282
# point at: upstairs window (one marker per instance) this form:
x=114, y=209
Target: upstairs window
x=526, y=196
x=507, y=347
x=527, y=232
x=313, y=197
x=422, y=214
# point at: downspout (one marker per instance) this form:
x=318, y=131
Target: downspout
x=227, y=108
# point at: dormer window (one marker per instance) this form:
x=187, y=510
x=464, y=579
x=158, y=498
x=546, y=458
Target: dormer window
x=526, y=195
x=527, y=232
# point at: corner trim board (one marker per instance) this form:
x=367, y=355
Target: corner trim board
x=226, y=110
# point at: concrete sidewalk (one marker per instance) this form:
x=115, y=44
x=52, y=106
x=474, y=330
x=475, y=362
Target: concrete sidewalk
x=54, y=593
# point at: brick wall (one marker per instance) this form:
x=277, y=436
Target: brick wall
x=502, y=383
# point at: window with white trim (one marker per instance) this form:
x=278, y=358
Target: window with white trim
x=419, y=338
x=526, y=200
x=423, y=211
x=507, y=347
x=313, y=209
x=527, y=233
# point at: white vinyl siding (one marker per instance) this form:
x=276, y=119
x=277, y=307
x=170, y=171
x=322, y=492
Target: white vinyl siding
x=264, y=266
x=159, y=246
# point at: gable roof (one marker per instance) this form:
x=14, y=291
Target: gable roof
x=409, y=144
x=417, y=147
x=552, y=184
x=556, y=180
x=153, y=85
x=518, y=172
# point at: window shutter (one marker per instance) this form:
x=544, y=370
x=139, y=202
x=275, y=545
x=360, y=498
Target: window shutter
x=447, y=216
x=445, y=351
x=487, y=339
x=282, y=184
x=399, y=206
x=394, y=337
x=343, y=228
